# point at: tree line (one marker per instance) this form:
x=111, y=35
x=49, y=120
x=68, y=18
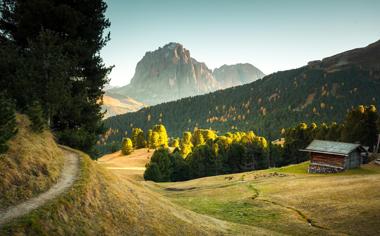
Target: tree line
x=205, y=153
x=50, y=65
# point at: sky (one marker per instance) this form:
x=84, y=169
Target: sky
x=272, y=35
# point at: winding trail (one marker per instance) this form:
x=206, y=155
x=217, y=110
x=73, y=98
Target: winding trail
x=301, y=214
x=67, y=178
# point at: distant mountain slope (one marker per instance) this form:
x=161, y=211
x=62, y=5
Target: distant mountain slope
x=170, y=73
x=115, y=104
x=239, y=74
x=321, y=92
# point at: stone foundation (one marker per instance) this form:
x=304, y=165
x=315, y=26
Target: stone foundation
x=324, y=169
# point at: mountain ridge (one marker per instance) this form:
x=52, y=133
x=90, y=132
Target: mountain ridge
x=170, y=73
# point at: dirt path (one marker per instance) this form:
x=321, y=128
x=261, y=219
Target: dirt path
x=68, y=176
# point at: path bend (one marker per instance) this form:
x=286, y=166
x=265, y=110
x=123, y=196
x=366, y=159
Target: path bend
x=68, y=176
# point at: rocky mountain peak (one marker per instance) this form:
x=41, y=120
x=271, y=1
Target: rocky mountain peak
x=170, y=73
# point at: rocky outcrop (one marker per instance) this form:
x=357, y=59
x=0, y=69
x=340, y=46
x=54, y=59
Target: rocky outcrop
x=170, y=73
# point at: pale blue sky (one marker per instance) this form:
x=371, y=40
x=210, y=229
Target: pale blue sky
x=270, y=34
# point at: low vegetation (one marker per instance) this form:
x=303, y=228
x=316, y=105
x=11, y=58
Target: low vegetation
x=103, y=203
x=31, y=165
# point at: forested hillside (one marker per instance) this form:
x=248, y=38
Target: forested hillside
x=322, y=91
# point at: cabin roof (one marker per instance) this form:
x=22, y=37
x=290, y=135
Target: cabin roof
x=331, y=147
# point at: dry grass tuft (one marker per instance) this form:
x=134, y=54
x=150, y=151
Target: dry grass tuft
x=32, y=164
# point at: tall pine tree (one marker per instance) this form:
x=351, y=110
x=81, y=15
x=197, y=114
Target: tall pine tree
x=67, y=37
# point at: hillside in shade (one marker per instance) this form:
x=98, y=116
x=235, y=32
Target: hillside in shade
x=170, y=73
x=322, y=91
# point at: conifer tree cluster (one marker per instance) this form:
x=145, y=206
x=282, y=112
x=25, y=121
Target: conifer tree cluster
x=49, y=54
x=204, y=153
x=359, y=126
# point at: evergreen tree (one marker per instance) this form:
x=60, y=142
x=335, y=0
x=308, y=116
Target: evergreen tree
x=35, y=114
x=162, y=158
x=180, y=167
x=371, y=129
x=152, y=172
x=57, y=44
x=235, y=156
x=7, y=122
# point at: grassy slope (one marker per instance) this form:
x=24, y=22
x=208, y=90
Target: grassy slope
x=103, y=203
x=287, y=199
x=31, y=165
x=283, y=200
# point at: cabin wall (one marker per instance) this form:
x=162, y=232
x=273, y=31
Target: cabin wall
x=355, y=159
x=326, y=163
x=328, y=159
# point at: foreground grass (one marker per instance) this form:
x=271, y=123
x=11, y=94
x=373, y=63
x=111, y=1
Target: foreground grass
x=101, y=203
x=31, y=165
x=287, y=200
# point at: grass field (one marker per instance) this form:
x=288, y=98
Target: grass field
x=287, y=200
x=284, y=200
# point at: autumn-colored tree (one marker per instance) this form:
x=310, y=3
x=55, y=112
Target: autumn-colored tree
x=149, y=138
x=175, y=143
x=186, y=144
x=197, y=138
x=208, y=134
x=162, y=135
x=127, y=146
x=154, y=140
x=138, y=138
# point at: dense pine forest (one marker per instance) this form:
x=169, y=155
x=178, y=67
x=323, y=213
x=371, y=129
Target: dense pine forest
x=51, y=68
x=313, y=93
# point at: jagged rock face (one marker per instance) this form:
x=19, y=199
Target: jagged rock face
x=239, y=74
x=170, y=73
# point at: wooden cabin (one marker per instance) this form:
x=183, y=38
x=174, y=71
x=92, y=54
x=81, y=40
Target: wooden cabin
x=333, y=157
